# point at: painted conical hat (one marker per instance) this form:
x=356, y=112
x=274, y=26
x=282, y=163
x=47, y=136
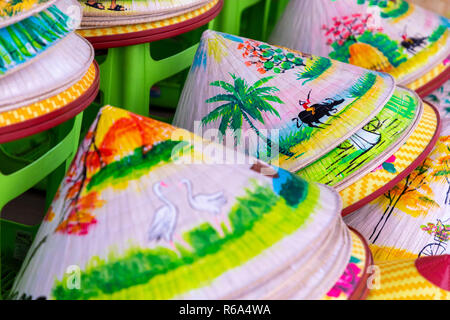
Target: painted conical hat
x=248, y=88
x=14, y=11
x=401, y=163
x=48, y=76
x=147, y=211
x=31, y=38
x=413, y=218
x=392, y=36
x=133, y=12
x=425, y=278
x=371, y=146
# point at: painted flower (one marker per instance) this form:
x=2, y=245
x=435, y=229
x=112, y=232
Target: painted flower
x=262, y=70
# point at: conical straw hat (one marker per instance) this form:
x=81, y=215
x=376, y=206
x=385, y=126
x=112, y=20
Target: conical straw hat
x=27, y=40
x=14, y=11
x=392, y=36
x=97, y=33
x=52, y=108
x=425, y=278
x=133, y=12
x=280, y=88
x=413, y=218
x=53, y=73
x=371, y=146
x=410, y=155
x=138, y=220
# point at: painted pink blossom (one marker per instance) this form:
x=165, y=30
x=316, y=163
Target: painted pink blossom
x=347, y=282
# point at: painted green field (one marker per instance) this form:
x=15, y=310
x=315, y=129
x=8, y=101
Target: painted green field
x=398, y=114
x=258, y=220
x=305, y=133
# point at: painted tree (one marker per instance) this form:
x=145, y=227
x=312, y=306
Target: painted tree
x=441, y=167
x=349, y=28
x=76, y=218
x=105, y=145
x=413, y=195
x=357, y=40
x=268, y=58
x=243, y=103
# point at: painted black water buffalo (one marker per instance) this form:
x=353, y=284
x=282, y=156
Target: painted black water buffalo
x=410, y=44
x=312, y=115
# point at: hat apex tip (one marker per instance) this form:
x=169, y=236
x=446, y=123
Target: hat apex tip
x=208, y=33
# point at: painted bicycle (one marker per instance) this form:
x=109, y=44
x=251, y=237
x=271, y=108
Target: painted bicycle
x=441, y=234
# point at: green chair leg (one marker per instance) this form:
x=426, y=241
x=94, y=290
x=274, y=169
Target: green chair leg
x=53, y=164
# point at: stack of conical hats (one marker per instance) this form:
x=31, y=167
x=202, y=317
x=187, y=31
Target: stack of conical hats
x=391, y=36
x=149, y=211
x=43, y=64
x=327, y=121
x=97, y=14
x=413, y=218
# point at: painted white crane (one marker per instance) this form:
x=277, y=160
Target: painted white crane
x=211, y=203
x=165, y=218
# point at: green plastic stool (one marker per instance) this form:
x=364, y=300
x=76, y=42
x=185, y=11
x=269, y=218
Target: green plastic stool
x=128, y=86
x=53, y=164
x=128, y=74
x=230, y=20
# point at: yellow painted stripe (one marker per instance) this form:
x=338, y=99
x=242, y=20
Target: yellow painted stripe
x=434, y=73
x=400, y=280
x=51, y=104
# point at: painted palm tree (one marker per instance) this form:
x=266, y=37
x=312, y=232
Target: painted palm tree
x=244, y=103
